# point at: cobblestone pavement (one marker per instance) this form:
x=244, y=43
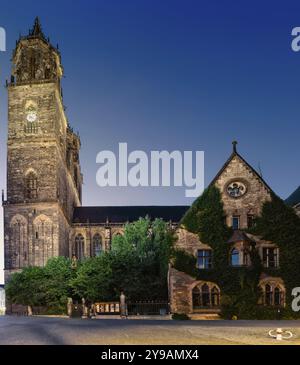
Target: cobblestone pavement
x=64, y=331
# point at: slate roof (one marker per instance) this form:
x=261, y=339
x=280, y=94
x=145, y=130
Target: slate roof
x=294, y=198
x=123, y=214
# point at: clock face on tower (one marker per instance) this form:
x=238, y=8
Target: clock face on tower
x=31, y=116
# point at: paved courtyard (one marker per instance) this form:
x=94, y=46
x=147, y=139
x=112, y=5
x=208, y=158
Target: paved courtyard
x=63, y=331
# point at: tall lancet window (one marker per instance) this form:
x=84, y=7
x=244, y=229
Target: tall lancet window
x=97, y=245
x=31, y=185
x=43, y=240
x=18, y=243
x=79, y=247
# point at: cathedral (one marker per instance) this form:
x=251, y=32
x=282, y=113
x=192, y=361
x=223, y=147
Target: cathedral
x=43, y=215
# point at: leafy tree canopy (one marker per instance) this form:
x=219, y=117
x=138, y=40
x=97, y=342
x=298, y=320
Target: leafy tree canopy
x=27, y=287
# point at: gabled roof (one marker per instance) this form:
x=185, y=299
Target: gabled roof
x=123, y=214
x=231, y=157
x=294, y=198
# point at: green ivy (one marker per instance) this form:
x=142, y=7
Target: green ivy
x=280, y=224
x=239, y=285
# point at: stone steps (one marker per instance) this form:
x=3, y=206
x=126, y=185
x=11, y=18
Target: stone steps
x=204, y=316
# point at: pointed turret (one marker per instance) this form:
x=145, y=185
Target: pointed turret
x=35, y=59
x=37, y=31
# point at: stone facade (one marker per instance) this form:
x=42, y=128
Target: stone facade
x=243, y=193
x=96, y=234
x=43, y=216
x=43, y=170
x=249, y=204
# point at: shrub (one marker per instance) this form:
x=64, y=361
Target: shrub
x=180, y=317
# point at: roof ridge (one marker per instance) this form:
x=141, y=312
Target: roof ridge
x=123, y=214
x=294, y=197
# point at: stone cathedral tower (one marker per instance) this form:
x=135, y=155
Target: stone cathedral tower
x=43, y=171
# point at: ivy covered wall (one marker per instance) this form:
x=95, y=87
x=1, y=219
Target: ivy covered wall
x=239, y=285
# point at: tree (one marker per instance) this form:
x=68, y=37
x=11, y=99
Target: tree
x=137, y=264
x=27, y=288
x=47, y=286
x=141, y=257
x=93, y=279
x=58, y=273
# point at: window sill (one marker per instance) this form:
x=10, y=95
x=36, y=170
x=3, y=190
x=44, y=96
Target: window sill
x=239, y=266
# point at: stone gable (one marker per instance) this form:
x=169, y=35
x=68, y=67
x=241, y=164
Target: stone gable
x=252, y=201
x=243, y=203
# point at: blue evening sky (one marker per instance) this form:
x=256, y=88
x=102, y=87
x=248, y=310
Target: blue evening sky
x=171, y=75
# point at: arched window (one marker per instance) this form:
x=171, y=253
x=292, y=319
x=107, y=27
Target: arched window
x=277, y=296
x=33, y=65
x=215, y=297
x=42, y=240
x=47, y=72
x=206, y=295
x=235, y=257
x=97, y=245
x=31, y=185
x=79, y=247
x=273, y=294
x=268, y=295
x=18, y=243
x=196, y=294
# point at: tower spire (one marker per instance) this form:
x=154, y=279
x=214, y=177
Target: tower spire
x=37, y=31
